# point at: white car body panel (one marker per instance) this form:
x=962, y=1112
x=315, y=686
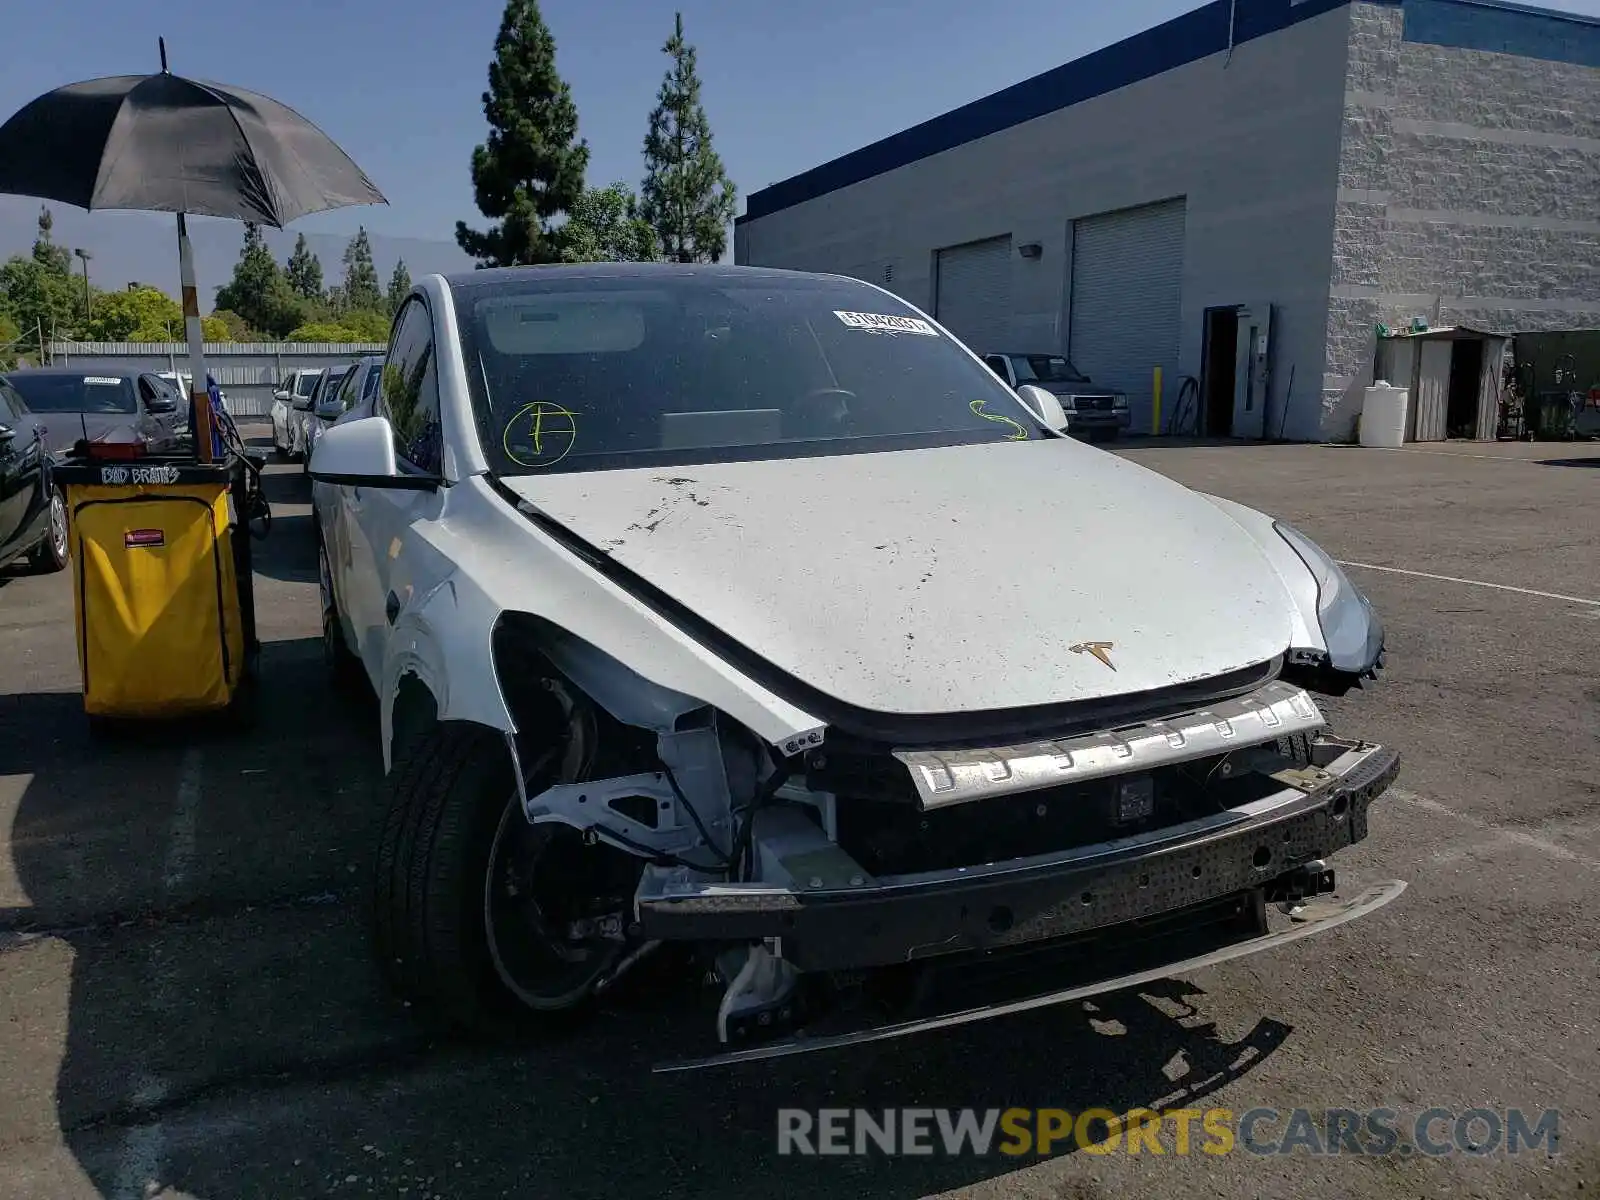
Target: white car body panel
x=820, y=566
x=948, y=580
x=466, y=558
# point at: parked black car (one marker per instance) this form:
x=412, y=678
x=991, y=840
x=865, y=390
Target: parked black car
x=99, y=402
x=33, y=512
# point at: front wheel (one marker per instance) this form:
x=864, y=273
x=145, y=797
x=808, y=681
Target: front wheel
x=484, y=921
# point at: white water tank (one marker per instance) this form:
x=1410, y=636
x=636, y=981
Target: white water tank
x=1383, y=415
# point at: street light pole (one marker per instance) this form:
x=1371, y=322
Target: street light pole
x=85, y=256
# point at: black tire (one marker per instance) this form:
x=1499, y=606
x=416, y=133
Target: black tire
x=1296, y=746
x=51, y=554
x=451, y=792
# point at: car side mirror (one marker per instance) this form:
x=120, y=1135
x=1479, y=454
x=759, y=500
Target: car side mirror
x=162, y=406
x=1044, y=405
x=361, y=454
x=280, y=394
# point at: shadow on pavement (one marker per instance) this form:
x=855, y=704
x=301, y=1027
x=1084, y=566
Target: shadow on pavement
x=211, y=892
x=1569, y=462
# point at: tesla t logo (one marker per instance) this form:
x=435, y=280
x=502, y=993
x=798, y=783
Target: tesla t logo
x=1101, y=650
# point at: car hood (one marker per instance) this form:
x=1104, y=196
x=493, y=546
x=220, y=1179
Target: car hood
x=959, y=579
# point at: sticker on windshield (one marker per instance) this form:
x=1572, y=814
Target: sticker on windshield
x=110, y=380
x=886, y=323
x=539, y=435
x=1019, y=430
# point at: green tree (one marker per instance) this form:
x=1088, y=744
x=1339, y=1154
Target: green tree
x=236, y=328
x=304, y=271
x=399, y=286
x=10, y=342
x=53, y=258
x=258, y=292
x=605, y=225
x=323, y=331
x=37, y=293
x=139, y=314
x=531, y=168
x=361, y=289
x=687, y=196
x=368, y=325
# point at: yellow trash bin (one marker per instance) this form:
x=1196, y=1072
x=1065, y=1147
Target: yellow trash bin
x=161, y=598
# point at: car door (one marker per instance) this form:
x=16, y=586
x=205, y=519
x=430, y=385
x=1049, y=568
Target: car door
x=159, y=411
x=408, y=396
x=16, y=488
x=373, y=520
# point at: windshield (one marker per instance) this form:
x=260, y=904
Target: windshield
x=76, y=393
x=369, y=386
x=328, y=397
x=1046, y=368
x=609, y=372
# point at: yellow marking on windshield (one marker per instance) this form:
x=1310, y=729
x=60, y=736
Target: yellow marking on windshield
x=1021, y=430
x=552, y=430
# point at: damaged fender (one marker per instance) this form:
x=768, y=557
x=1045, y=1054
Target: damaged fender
x=443, y=635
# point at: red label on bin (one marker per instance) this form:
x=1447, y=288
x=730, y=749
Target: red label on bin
x=144, y=537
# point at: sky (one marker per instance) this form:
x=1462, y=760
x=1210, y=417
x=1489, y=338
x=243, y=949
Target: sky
x=398, y=83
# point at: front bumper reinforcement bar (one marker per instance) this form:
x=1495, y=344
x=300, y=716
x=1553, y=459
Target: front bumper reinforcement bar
x=1317, y=916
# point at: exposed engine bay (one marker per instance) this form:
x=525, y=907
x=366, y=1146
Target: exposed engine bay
x=856, y=889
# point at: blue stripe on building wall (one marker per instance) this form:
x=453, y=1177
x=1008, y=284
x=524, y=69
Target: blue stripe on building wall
x=1504, y=29
x=1463, y=24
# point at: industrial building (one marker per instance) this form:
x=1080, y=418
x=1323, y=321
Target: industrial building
x=1248, y=195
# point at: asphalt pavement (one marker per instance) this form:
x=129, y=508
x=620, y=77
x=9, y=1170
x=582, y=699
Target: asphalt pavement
x=188, y=1009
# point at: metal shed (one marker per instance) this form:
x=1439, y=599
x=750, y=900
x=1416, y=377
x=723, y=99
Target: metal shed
x=1454, y=376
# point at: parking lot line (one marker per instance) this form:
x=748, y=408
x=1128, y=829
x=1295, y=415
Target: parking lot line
x=1499, y=587
x=1498, y=832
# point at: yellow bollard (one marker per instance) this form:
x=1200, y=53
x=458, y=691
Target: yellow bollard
x=1155, y=408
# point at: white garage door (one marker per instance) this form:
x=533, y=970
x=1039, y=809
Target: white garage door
x=972, y=297
x=1127, y=295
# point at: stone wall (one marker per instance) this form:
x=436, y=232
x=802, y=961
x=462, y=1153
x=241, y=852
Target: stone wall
x=1469, y=193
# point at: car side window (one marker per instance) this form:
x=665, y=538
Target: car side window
x=997, y=364
x=409, y=392
x=8, y=408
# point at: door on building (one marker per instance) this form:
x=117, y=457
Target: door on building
x=1252, y=360
x=1466, y=384
x=972, y=293
x=1217, y=370
x=1127, y=299
x=1427, y=420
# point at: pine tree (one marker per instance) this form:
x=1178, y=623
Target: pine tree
x=361, y=288
x=531, y=168
x=687, y=195
x=399, y=286
x=258, y=291
x=304, y=271
x=57, y=260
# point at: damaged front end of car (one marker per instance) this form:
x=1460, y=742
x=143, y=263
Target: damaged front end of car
x=849, y=886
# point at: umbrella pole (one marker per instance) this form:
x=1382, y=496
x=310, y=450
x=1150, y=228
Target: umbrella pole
x=199, y=397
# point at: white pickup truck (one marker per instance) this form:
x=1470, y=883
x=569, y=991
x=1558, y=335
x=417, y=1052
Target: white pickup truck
x=1093, y=412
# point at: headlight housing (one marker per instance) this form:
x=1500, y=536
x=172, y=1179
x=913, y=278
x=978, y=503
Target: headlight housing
x=1350, y=627
x=1119, y=401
